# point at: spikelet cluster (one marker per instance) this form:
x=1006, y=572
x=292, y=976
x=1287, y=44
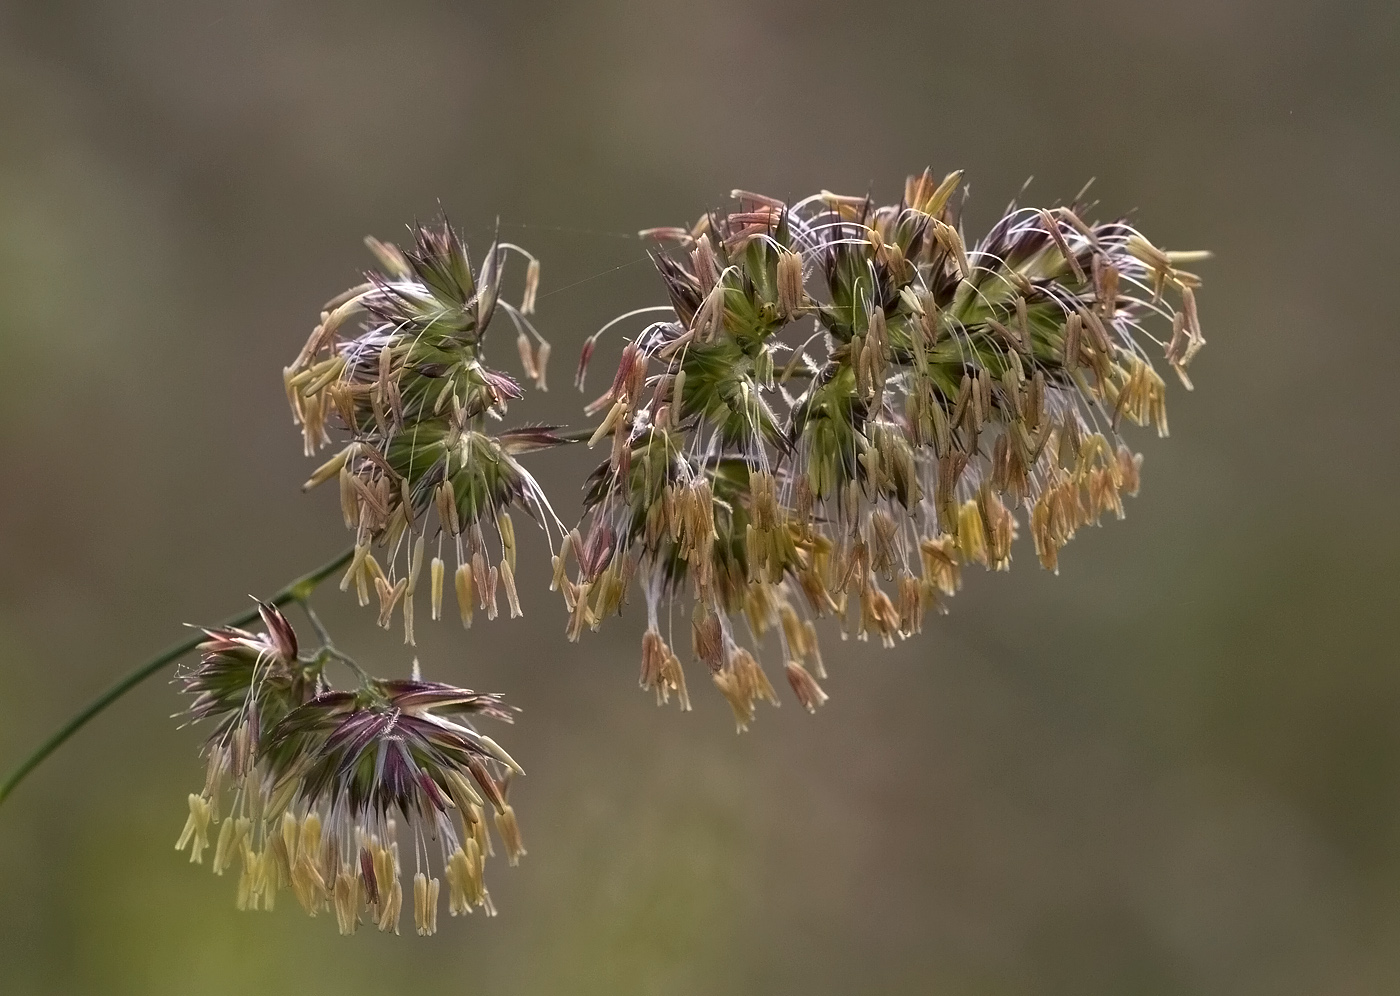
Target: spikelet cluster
x=850, y=405
x=414, y=400
x=328, y=792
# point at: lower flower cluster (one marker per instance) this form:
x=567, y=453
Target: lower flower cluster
x=328, y=792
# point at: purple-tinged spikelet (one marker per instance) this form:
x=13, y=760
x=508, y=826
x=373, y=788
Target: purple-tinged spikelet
x=326, y=785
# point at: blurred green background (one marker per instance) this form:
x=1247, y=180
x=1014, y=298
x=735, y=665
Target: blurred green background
x=1172, y=769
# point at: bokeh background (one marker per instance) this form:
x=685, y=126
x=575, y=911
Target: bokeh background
x=1175, y=768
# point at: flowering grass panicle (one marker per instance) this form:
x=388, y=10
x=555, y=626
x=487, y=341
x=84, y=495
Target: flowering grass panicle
x=847, y=406
x=324, y=790
x=415, y=398
x=764, y=482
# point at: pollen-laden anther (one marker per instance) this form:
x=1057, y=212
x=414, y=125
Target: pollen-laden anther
x=849, y=404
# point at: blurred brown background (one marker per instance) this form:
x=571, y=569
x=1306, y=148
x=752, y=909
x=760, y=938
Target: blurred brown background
x=1175, y=768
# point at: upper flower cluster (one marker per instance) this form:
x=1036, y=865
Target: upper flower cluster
x=768, y=481
x=848, y=405
x=413, y=393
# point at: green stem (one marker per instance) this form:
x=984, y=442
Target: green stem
x=328, y=647
x=297, y=591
